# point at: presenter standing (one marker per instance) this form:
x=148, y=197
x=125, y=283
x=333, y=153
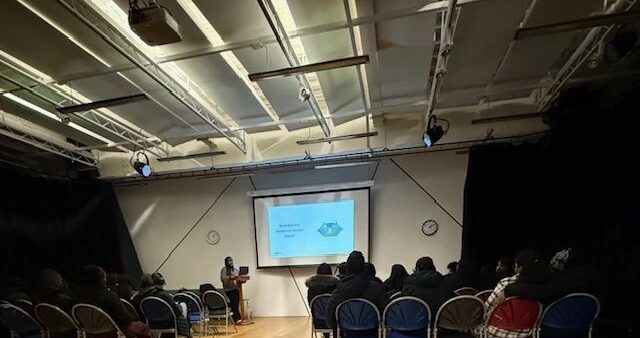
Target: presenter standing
x=228, y=276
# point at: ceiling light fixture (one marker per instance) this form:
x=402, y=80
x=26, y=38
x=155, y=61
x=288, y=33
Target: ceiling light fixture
x=337, y=138
x=142, y=167
x=311, y=68
x=102, y=104
x=190, y=156
x=434, y=132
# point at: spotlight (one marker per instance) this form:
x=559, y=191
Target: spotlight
x=142, y=167
x=434, y=132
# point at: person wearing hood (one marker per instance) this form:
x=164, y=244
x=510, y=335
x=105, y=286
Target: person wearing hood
x=51, y=288
x=427, y=284
x=91, y=288
x=356, y=284
x=151, y=285
x=371, y=270
x=320, y=283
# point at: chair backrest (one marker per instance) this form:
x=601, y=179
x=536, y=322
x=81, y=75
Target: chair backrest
x=194, y=310
x=158, y=313
x=466, y=291
x=214, y=300
x=460, y=313
x=131, y=309
x=515, y=313
x=570, y=316
x=19, y=321
x=357, y=314
x=94, y=321
x=54, y=319
x=484, y=295
x=407, y=313
x=319, y=305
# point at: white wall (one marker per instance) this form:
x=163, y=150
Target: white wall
x=160, y=213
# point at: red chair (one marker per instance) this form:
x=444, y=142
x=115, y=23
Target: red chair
x=466, y=291
x=514, y=314
x=484, y=295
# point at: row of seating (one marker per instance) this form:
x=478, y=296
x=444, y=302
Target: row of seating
x=88, y=320
x=570, y=316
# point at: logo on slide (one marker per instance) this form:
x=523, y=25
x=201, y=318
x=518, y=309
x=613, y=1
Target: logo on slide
x=329, y=229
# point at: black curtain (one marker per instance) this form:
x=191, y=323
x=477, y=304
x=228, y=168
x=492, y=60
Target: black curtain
x=577, y=187
x=63, y=225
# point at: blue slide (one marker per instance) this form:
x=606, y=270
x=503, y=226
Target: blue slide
x=313, y=229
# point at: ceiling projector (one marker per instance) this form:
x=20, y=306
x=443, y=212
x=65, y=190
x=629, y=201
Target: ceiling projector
x=154, y=24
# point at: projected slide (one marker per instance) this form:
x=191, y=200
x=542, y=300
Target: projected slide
x=311, y=229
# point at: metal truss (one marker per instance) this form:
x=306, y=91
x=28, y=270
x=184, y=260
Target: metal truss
x=589, y=45
x=115, y=39
x=83, y=157
x=92, y=116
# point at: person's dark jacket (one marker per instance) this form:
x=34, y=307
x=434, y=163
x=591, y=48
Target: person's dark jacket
x=157, y=291
x=55, y=297
x=125, y=288
x=582, y=278
x=107, y=300
x=354, y=286
x=320, y=284
x=429, y=286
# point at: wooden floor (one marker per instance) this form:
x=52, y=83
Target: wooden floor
x=273, y=327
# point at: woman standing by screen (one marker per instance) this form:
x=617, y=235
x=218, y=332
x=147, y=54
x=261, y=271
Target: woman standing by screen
x=228, y=276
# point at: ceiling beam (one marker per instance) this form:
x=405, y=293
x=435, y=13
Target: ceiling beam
x=101, y=104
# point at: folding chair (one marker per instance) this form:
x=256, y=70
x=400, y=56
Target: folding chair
x=131, y=309
x=95, y=322
x=484, y=295
x=218, y=309
x=195, y=312
x=19, y=322
x=56, y=321
x=406, y=317
x=569, y=316
x=466, y=291
x=358, y=317
x=319, y=305
x=459, y=314
x=25, y=305
x=514, y=314
x=159, y=316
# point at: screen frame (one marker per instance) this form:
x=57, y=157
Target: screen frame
x=255, y=229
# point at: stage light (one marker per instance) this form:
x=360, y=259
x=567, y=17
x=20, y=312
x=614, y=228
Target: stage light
x=433, y=133
x=142, y=167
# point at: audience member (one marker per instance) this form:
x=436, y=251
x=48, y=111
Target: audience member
x=574, y=274
x=341, y=270
x=151, y=285
x=356, y=284
x=504, y=268
x=395, y=282
x=371, y=271
x=523, y=263
x=91, y=288
x=121, y=284
x=487, y=277
x=320, y=283
x=452, y=268
x=51, y=288
x=428, y=284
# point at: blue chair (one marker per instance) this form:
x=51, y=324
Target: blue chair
x=19, y=322
x=358, y=317
x=319, y=305
x=571, y=316
x=159, y=316
x=195, y=313
x=406, y=317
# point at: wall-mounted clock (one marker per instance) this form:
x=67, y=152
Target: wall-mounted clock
x=430, y=227
x=213, y=237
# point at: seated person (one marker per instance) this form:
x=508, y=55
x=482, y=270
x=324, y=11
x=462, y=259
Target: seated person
x=121, y=284
x=428, y=284
x=341, y=270
x=371, y=270
x=151, y=285
x=571, y=272
x=51, y=288
x=91, y=288
x=395, y=282
x=355, y=284
x=452, y=268
x=320, y=283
